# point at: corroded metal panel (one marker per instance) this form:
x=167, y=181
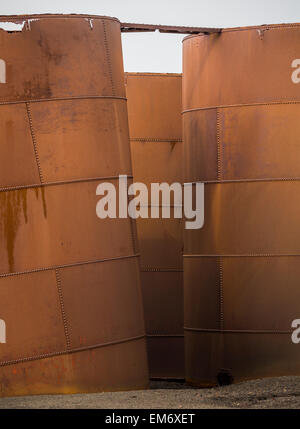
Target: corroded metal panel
x=241, y=138
x=69, y=282
x=154, y=111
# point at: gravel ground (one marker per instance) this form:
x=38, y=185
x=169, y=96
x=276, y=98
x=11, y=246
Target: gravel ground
x=282, y=392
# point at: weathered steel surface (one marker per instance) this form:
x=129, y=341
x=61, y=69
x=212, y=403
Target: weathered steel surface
x=69, y=282
x=154, y=106
x=241, y=136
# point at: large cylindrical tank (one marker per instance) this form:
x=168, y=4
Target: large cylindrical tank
x=154, y=112
x=69, y=282
x=241, y=107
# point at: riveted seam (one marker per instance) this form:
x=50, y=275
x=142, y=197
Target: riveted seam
x=75, y=264
x=242, y=255
x=147, y=269
x=238, y=331
x=62, y=307
x=34, y=142
x=149, y=139
x=219, y=145
x=229, y=106
x=263, y=179
x=70, y=98
x=62, y=182
x=221, y=294
x=71, y=351
x=108, y=57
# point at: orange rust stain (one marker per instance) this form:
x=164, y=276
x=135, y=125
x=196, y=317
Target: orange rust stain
x=37, y=193
x=44, y=201
x=12, y=203
x=173, y=144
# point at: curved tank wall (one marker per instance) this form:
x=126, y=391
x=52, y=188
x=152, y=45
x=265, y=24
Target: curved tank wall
x=154, y=112
x=241, y=106
x=69, y=282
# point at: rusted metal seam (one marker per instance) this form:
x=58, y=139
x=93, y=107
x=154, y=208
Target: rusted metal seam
x=221, y=295
x=137, y=74
x=134, y=238
x=79, y=97
x=243, y=255
x=161, y=205
x=58, y=183
x=62, y=308
x=219, y=176
x=154, y=140
x=108, y=57
x=270, y=103
x=219, y=154
x=133, y=231
x=164, y=335
x=75, y=264
x=34, y=142
x=166, y=270
x=239, y=331
x=71, y=351
x=266, y=179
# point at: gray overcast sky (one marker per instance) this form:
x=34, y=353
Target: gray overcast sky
x=155, y=52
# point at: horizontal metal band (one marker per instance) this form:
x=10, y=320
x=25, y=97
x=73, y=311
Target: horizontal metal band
x=172, y=378
x=145, y=74
x=270, y=103
x=70, y=351
x=75, y=264
x=154, y=140
x=238, y=331
x=78, y=97
x=62, y=182
x=265, y=179
x=161, y=205
x=164, y=336
x=164, y=270
x=243, y=255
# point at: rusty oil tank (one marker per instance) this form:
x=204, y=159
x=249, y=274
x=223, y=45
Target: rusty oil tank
x=241, y=128
x=154, y=112
x=69, y=282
